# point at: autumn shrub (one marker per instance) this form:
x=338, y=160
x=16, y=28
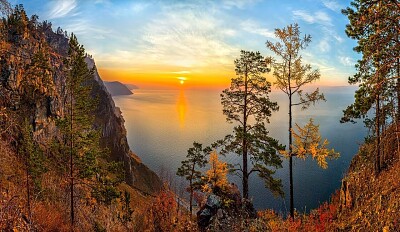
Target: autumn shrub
x=11, y=212
x=163, y=211
x=49, y=217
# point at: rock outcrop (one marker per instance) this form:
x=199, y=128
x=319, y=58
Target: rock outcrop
x=49, y=96
x=116, y=88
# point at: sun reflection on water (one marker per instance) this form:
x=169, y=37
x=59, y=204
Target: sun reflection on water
x=181, y=108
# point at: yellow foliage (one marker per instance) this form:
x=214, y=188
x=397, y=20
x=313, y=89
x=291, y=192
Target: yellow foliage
x=307, y=141
x=216, y=176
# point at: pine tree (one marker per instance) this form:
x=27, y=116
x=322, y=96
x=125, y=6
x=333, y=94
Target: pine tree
x=125, y=216
x=80, y=139
x=196, y=159
x=291, y=76
x=246, y=103
x=34, y=160
x=375, y=26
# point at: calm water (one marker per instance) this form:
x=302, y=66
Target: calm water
x=162, y=125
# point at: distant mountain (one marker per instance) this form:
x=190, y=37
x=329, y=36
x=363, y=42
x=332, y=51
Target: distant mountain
x=116, y=88
x=131, y=86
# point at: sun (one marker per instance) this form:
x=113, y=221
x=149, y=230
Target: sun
x=182, y=80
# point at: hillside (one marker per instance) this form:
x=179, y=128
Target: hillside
x=370, y=202
x=50, y=210
x=365, y=201
x=116, y=88
x=131, y=86
x=49, y=103
x=36, y=165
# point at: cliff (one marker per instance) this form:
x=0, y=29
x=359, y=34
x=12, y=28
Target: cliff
x=109, y=118
x=116, y=88
x=131, y=86
x=21, y=43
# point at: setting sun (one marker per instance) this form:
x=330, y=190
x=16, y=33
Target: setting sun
x=182, y=80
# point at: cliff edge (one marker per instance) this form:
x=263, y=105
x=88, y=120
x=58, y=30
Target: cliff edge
x=109, y=118
x=20, y=51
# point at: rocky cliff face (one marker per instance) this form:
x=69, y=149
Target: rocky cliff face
x=109, y=118
x=48, y=96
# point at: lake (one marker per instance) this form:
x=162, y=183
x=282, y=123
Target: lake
x=162, y=125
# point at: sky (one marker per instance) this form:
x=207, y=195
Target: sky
x=167, y=43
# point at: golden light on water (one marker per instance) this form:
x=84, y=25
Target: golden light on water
x=181, y=108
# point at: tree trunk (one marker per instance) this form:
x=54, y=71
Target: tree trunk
x=291, y=159
x=398, y=90
x=244, y=143
x=191, y=197
x=28, y=192
x=378, y=137
x=178, y=208
x=290, y=144
x=398, y=84
x=378, y=116
x=71, y=167
x=398, y=107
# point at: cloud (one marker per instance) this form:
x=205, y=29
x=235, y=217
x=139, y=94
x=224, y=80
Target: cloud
x=240, y=4
x=101, y=1
x=228, y=32
x=187, y=39
x=181, y=72
x=61, y=8
x=327, y=35
x=139, y=7
x=346, y=61
x=338, y=38
x=332, y=5
x=324, y=45
x=319, y=17
x=82, y=26
x=322, y=66
x=253, y=27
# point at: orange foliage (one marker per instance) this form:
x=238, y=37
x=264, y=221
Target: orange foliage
x=48, y=218
x=163, y=210
x=216, y=176
x=320, y=219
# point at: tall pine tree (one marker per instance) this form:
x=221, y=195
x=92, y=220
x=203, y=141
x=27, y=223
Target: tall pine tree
x=80, y=139
x=376, y=27
x=34, y=160
x=246, y=103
